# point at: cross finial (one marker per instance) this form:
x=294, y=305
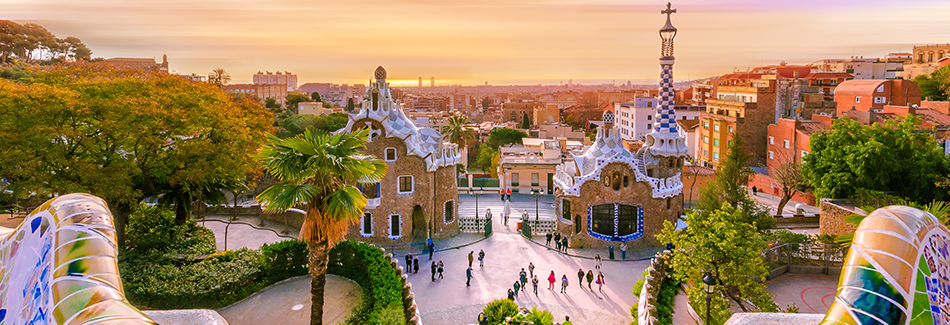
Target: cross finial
x=668, y=10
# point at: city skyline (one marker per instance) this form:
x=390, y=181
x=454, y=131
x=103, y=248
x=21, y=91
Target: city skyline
x=467, y=43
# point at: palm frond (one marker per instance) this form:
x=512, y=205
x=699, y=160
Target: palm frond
x=283, y=196
x=346, y=203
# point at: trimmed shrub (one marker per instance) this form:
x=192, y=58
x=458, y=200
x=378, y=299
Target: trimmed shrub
x=499, y=309
x=284, y=259
x=370, y=268
x=153, y=281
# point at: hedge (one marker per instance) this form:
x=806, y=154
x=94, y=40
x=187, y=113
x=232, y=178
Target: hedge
x=381, y=283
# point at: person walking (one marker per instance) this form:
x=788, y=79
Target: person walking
x=590, y=278
x=441, y=268
x=481, y=257
x=482, y=319
x=505, y=218
x=564, y=244
x=564, y=283
x=408, y=262
x=755, y=191
x=547, y=237
x=523, y=277
x=534, y=283
x=433, y=271
x=557, y=241
x=502, y=195
x=471, y=258
x=551, y=280
x=511, y=295
x=509, y=194
x=517, y=286
x=430, y=246
x=600, y=281
x=623, y=250
x=580, y=278
x=531, y=269
x=415, y=264
x=468, y=277
x=597, y=262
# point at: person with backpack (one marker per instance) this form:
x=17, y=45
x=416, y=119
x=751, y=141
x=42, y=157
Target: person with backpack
x=564, y=283
x=517, y=286
x=534, y=283
x=590, y=278
x=523, y=277
x=440, y=269
x=481, y=257
x=564, y=244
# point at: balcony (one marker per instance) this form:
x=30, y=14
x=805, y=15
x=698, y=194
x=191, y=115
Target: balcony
x=372, y=203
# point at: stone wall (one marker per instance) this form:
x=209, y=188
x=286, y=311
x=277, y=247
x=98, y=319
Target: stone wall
x=655, y=210
x=833, y=212
x=652, y=282
x=431, y=191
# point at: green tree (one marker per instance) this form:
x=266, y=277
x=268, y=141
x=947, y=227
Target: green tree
x=498, y=310
x=936, y=86
x=293, y=100
x=273, y=106
x=350, y=106
x=791, y=181
x=525, y=122
x=315, y=96
x=318, y=171
x=456, y=131
x=219, y=77
x=721, y=244
x=122, y=135
x=505, y=136
x=486, y=156
x=729, y=188
x=899, y=157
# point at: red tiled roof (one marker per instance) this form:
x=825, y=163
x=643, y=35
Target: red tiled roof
x=810, y=127
x=858, y=87
x=828, y=75
x=688, y=124
x=700, y=170
x=934, y=117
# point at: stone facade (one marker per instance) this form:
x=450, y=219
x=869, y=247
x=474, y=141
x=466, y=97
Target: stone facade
x=833, y=212
x=418, y=197
x=655, y=210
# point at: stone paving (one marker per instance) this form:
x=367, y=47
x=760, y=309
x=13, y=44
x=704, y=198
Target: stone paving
x=450, y=301
x=288, y=302
x=245, y=232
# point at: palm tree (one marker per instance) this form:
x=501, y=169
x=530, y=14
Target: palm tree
x=219, y=77
x=318, y=170
x=456, y=130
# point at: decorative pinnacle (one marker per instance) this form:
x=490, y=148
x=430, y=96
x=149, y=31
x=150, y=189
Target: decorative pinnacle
x=668, y=10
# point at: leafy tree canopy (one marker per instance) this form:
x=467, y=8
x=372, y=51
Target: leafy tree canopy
x=297, y=124
x=899, y=157
x=721, y=244
x=293, y=99
x=315, y=96
x=31, y=42
x=122, y=135
x=936, y=86
x=501, y=137
x=486, y=155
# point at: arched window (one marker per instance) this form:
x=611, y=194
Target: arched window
x=566, y=209
x=615, y=222
x=625, y=181
x=616, y=181
x=920, y=57
x=931, y=59
x=375, y=100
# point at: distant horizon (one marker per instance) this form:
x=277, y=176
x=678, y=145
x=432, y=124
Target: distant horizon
x=468, y=43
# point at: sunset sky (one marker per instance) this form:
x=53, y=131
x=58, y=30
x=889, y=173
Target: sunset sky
x=470, y=42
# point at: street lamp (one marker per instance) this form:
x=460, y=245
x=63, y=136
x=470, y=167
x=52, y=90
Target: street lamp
x=710, y=282
x=476, y=195
x=536, y=193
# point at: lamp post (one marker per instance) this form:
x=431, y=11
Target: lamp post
x=476, y=195
x=710, y=282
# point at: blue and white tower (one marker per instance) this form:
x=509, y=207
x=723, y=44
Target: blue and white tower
x=665, y=147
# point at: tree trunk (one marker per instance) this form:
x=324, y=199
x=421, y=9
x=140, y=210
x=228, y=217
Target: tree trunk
x=181, y=209
x=319, y=254
x=783, y=202
x=120, y=217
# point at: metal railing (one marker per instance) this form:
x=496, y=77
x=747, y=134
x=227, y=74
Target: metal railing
x=804, y=258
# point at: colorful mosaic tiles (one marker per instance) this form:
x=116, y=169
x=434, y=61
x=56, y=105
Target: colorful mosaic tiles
x=897, y=271
x=59, y=267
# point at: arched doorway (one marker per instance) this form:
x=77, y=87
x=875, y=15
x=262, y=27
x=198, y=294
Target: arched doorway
x=419, y=225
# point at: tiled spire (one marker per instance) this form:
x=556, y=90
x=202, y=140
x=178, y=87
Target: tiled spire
x=665, y=139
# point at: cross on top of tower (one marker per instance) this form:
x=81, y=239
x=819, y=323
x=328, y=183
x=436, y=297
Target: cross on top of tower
x=668, y=10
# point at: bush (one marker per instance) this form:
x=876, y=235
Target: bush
x=499, y=309
x=284, y=259
x=153, y=229
x=370, y=268
x=537, y=317
x=153, y=281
